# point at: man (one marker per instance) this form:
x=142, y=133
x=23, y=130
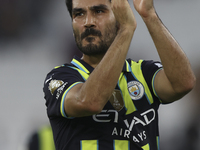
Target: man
x=103, y=101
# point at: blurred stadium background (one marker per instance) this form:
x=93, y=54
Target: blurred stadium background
x=37, y=35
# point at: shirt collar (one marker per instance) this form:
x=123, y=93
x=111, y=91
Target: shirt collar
x=76, y=61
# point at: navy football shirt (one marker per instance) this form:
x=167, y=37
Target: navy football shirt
x=132, y=127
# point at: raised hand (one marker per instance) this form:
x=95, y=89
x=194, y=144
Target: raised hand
x=123, y=14
x=144, y=7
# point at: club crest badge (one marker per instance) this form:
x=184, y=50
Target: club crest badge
x=136, y=90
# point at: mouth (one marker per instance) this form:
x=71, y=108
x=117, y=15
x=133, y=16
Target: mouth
x=90, y=38
x=91, y=35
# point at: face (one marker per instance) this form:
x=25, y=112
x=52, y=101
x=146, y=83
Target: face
x=94, y=26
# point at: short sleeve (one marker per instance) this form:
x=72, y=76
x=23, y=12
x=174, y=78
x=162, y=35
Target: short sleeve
x=149, y=69
x=56, y=85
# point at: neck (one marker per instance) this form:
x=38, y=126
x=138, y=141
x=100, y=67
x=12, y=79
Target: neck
x=92, y=60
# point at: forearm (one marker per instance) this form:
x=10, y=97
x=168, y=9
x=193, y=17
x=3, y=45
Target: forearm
x=175, y=63
x=99, y=87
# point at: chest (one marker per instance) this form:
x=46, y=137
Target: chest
x=132, y=94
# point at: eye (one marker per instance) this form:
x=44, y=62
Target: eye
x=78, y=14
x=99, y=11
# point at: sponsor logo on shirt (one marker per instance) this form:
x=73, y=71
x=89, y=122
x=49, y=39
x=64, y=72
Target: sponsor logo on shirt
x=144, y=119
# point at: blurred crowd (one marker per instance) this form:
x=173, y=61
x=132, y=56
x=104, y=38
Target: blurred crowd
x=17, y=17
x=41, y=20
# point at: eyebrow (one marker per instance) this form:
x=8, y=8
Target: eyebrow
x=101, y=6
x=97, y=7
x=75, y=10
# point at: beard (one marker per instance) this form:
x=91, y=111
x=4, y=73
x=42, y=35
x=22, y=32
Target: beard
x=95, y=49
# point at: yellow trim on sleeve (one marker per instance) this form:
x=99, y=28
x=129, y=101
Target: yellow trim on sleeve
x=154, y=91
x=62, y=109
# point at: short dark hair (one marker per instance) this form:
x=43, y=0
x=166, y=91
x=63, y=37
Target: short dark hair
x=69, y=6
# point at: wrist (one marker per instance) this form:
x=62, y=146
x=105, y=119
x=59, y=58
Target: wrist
x=150, y=17
x=127, y=29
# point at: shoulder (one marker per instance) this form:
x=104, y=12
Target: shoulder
x=62, y=74
x=63, y=69
x=144, y=62
x=145, y=65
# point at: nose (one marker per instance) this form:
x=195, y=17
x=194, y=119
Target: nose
x=89, y=20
